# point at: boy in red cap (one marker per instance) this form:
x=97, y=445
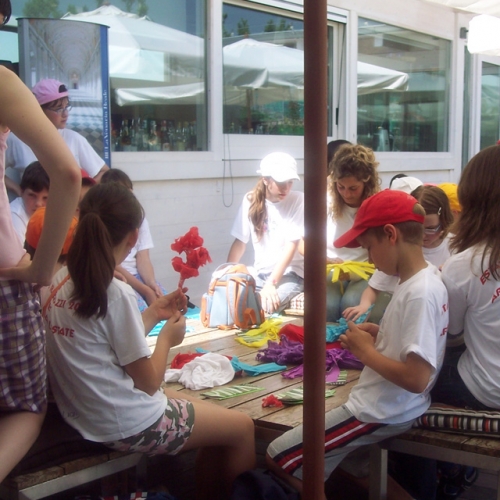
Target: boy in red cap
x=402, y=356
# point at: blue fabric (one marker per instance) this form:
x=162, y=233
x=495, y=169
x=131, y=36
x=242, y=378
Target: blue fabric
x=250, y=370
x=333, y=332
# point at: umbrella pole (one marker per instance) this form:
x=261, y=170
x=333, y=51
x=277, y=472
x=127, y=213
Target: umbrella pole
x=315, y=156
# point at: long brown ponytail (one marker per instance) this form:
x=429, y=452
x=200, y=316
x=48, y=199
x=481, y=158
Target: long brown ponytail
x=258, y=211
x=108, y=213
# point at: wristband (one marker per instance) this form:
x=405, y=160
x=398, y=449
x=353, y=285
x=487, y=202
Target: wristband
x=272, y=282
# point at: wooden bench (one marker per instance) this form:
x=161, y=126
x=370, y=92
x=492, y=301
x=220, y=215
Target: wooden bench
x=61, y=459
x=476, y=451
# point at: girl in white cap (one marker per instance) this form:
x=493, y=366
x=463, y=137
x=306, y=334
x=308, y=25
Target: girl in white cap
x=272, y=216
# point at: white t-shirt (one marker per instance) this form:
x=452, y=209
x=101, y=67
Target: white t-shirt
x=331, y=227
x=475, y=310
x=415, y=320
x=439, y=254
x=285, y=223
x=20, y=218
x=144, y=242
x=383, y=282
x=85, y=359
x=344, y=223
x=19, y=155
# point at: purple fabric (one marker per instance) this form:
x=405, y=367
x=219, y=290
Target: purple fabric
x=287, y=352
x=290, y=352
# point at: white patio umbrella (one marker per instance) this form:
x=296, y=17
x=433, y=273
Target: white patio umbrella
x=373, y=78
x=257, y=73
x=140, y=49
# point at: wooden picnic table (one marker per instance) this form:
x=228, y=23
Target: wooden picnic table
x=270, y=422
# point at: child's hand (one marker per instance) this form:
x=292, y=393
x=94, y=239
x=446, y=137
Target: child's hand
x=371, y=328
x=22, y=272
x=357, y=340
x=175, y=329
x=353, y=313
x=167, y=305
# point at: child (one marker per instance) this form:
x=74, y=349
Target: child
x=353, y=179
x=471, y=374
x=104, y=378
x=472, y=278
x=23, y=397
x=450, y=190
x=34, y=193
x=402, y=357
x=272, y=216
x=137, y=268
x=438, y=220
x=437, y=223
x=53, y=97
x=34, y=232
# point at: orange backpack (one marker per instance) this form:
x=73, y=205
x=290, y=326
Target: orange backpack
x=231, y=300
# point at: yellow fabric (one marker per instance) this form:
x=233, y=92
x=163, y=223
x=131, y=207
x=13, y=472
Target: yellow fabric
x=258, y=337
x=350, y=269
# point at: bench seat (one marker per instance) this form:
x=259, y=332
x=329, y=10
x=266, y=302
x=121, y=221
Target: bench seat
x=60, y=459
x=477, y=451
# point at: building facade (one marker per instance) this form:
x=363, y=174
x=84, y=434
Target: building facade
x=201, y=90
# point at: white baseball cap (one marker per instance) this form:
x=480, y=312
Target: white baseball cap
x=406, y=184
x=280, y=166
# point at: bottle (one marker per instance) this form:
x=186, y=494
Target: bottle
x=153, y=141
x=133, y=135
x=125, y=136
x=164, y=138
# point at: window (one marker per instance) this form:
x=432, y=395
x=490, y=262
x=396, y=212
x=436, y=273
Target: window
x=263, y=58
x=403, y=89
x=157, y=68
x=490, y=105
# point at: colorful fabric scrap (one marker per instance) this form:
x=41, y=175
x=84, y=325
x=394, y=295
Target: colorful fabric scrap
x=258, y=337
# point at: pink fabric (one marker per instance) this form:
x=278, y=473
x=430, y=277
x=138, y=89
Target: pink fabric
x=12, y=250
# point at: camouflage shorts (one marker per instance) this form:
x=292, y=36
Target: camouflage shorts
x=167, y=435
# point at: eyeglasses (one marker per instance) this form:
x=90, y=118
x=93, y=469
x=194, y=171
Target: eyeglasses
x=60, y=111
x=432, y=230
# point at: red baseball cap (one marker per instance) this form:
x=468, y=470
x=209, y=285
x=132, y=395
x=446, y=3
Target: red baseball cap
x=386, y=207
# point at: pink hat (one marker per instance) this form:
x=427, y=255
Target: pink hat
x=49, y=90
x=386, y=207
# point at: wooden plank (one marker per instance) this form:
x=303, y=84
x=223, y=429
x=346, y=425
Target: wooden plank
x=483, y=446
x=84, y=463
x=24, y=481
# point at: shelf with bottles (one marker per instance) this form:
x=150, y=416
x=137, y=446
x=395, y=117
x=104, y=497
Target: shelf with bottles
x=138, y=134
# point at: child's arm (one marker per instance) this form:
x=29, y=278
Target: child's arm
x=236, y=251
x=412, y=375
x=269, y=294
x=368, y=297
x=138, y=286
x=12, y=186
x=148, y=373
x=146, y=271
x=20, y=112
